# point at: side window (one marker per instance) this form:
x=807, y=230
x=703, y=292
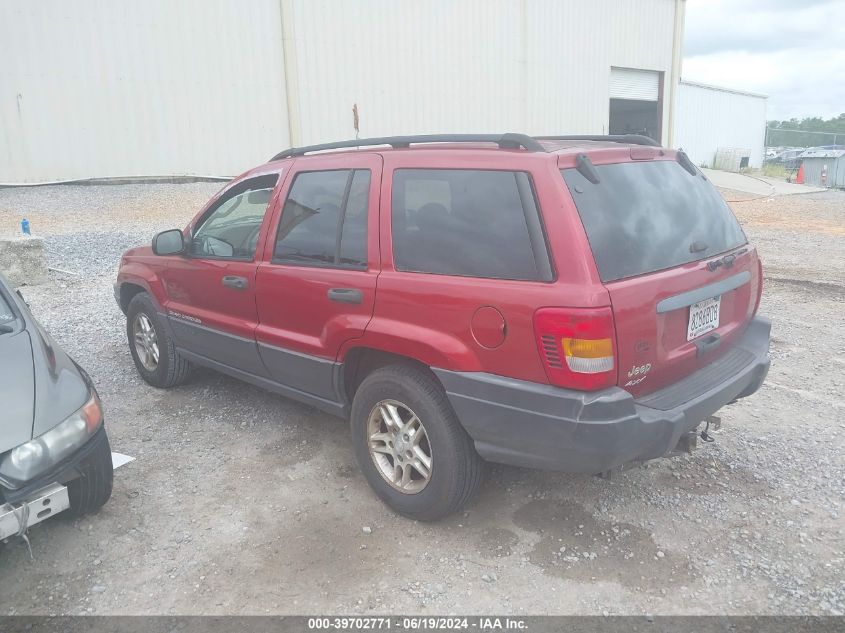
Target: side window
x=230, y=228
x=324, y=221
x=471, y=223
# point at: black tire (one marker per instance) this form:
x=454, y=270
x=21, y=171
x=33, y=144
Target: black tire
x=456, y=469
x=93, y=487
x=172, y=369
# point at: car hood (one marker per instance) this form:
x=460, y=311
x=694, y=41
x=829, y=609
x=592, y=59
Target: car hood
x=40, y=386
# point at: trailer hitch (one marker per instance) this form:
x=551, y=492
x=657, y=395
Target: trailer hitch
x=716, y=421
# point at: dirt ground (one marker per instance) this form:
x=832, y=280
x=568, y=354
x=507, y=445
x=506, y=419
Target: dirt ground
x=243, y=502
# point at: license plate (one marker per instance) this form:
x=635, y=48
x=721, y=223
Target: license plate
x=703, y=317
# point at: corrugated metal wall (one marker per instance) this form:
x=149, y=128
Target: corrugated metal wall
x=833, y=168
x=709, y=118
x=120, y=87
x=534, y=66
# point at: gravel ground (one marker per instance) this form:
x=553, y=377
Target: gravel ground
x=242, y=502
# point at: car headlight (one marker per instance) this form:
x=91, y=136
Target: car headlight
x=27, y=461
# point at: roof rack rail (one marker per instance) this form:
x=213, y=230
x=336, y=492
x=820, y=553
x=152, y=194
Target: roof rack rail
x=504, y=141
x=631, y=139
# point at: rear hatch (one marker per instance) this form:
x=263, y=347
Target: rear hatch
x=682, y=279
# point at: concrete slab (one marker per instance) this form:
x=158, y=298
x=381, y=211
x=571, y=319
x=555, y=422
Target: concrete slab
x=22, y=260
x=759, y=185
x=783, y=188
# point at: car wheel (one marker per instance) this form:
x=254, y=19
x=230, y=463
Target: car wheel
x=413, y=451
x=93, y=487
x=153, y=351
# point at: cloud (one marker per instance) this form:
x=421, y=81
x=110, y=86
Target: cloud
x=791, y=51
x=717, y=26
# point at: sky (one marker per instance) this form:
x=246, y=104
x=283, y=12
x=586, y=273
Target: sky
x=791, y=50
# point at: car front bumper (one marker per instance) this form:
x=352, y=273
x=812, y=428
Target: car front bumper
x=116, y=290
x=540, y=426
x=63, y=473
x=37, y=507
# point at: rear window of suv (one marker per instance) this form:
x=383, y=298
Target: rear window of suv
x=642, y=217
x=471, y=223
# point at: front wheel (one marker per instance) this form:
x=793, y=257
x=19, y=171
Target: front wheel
x=153, y=351
x=88, y=492
x=413, y=451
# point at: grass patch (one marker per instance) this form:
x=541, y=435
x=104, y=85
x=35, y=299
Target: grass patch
x=774, y=170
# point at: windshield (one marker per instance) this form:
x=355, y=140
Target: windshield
x=647, y=216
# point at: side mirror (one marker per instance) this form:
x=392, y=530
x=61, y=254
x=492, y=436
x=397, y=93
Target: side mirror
x=170, y=242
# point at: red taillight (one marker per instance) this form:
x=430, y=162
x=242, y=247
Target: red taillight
x=759, y=286
x=578, y=346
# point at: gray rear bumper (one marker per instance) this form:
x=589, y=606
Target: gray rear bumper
x=539, y=426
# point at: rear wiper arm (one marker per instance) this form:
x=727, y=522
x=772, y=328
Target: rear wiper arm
x=727, y=261
x=6, y=329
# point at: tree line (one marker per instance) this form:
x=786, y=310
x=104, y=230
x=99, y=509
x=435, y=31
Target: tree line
x=807, y=132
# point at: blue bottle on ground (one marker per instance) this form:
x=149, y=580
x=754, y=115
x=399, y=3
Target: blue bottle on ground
x=25, y=227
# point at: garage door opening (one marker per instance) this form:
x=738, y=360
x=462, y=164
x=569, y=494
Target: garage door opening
x=636, y=102
x=628, y=116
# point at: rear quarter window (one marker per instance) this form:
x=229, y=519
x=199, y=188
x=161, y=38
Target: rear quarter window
x=642, y=217
x=471, y=223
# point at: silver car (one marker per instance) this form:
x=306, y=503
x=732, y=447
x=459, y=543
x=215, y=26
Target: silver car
x=54, y=451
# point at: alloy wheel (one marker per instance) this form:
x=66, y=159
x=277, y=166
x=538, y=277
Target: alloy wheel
x=399, y=446
x=146, y=341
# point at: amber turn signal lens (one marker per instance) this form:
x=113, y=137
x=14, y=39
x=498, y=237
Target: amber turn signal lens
x=92, y=411
x=586, y=348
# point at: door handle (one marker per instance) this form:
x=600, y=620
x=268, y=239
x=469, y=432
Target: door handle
x=231, y=281
x=345, y=295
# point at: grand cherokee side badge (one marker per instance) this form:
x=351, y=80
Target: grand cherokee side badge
x=184, y=317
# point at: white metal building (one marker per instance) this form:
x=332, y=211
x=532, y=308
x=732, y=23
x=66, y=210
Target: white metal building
x=718, y=122
x=100, y=88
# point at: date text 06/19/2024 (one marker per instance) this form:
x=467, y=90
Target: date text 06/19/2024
x=419, y=623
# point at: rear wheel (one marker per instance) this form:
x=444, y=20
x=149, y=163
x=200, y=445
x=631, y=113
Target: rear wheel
x=93, y=487
x=413, y=451
x=153, y=351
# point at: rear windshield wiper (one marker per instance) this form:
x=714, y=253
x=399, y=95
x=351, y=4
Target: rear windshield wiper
x=727, y=261
x=6, y=329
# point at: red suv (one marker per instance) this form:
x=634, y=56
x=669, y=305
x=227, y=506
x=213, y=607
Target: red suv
x=570, y=303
